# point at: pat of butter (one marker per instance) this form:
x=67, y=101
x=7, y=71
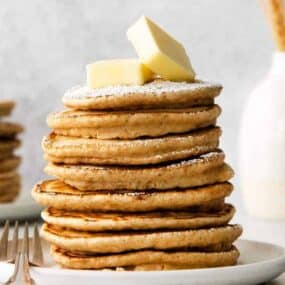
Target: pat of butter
x=159, y=51
x=117, y=72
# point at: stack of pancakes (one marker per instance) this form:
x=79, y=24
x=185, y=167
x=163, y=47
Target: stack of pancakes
x=9, y=163
x=141, y=182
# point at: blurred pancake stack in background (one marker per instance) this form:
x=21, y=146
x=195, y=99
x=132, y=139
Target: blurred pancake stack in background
x=141, y=183
x=9, y=178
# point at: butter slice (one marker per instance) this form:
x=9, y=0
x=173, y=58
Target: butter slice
x=117, y=72
x=159, y=51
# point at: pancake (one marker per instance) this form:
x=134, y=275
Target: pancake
x=12, y=189
x=8, y=145
x=132, y=124
x=6, y=154
x=145, y=259
x=6, y=107
x=156, y=94
x=8, y=175
x=8, y=180
x=9, y=194
x=56, y=194
x=8, y=164
x=8, y=198
x=130, y=240
x=205, y=169
x=9, y=188
x=99, y=221
x=70, y=150
x=8, y=130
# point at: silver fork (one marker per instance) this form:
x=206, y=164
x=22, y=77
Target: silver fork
x=15, y=254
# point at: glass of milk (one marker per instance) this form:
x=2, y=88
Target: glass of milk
x=262, y=145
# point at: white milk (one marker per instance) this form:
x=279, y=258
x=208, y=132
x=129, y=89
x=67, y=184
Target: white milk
x=262, y=145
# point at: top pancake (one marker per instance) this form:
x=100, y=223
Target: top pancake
x=156, y=94
x=6, y=107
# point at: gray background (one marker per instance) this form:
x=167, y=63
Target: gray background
x=45, y=46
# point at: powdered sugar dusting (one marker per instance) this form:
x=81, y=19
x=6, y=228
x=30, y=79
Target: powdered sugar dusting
x=156, y=87
x=207, y=157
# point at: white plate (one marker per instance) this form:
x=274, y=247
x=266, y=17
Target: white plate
x=259, y=262
x=19, y=210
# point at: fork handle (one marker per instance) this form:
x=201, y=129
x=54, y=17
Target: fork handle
x=26, y=270
x=12, y=279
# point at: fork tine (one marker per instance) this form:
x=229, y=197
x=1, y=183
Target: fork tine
x=25, y=254
x=4, y=242
x=38, y=258
x=25, y=244
x=14, y=245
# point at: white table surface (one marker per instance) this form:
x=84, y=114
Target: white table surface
x=261, y=230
